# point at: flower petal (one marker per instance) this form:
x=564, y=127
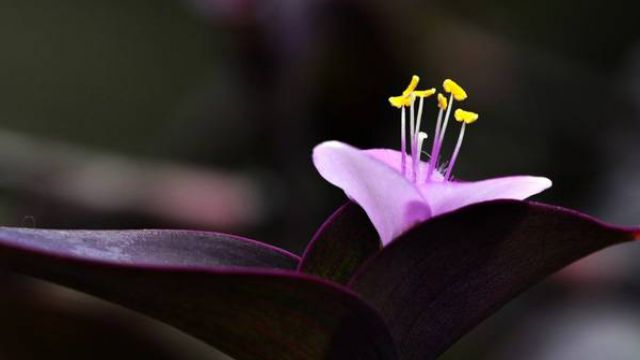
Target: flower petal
x=448, y=196
x=392, y=203
x=392, y=158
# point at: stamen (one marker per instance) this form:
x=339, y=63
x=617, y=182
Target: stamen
x=403, y=142
x=439, y=139
x=412, y=121
x=442, y=104
x=442, y=101
x=456, y=90
x=419, y=117
x=465, y=117
x=400, y=101
x=415, y=149
x=456, y=151
x=446, y=119
x=458, y=93
x=413, y=84
x=422, y=136
x=407, y=100
x=422, y=95
x=412, y=137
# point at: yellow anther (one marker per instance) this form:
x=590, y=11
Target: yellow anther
x=456, y=90
x=442, y=101
x=424, y=93
x=412, y=85
x=408, y=95
x=400, y=101
x=467, y=117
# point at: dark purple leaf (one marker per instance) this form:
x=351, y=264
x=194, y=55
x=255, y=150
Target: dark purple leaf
x=341, y=245
x=38, y=322
x=247, y=313
x=152, y=247
x=442, y=278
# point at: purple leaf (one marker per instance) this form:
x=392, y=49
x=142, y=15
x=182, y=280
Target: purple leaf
x=247, y=313
x=37, y=322
x=152, y=247
x=341, y=245
x=435, y=283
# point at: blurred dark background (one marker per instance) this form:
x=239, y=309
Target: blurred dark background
x=203, y=113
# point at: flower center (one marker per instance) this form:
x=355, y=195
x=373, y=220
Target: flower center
x=417, y=137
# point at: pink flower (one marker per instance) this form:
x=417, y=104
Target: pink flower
x=397, y=190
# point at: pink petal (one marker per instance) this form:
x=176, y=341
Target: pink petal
x=392, y=203
x=448, y=196
x=392, y=158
